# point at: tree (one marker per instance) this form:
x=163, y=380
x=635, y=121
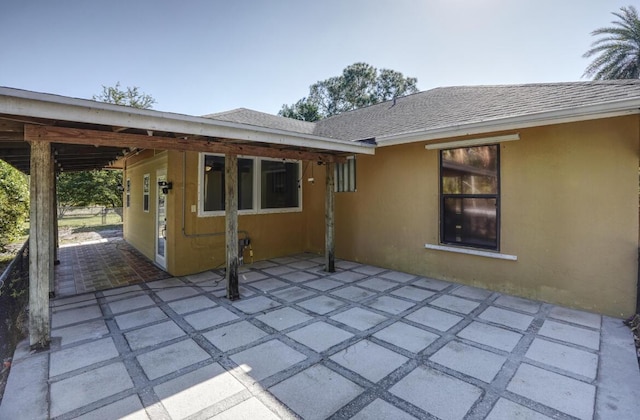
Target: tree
x=359, y=85
x=14, y=203
x=617, y=53
x=130, y=97
x=89, y=188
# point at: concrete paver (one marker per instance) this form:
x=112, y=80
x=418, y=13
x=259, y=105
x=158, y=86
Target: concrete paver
x=364, y=342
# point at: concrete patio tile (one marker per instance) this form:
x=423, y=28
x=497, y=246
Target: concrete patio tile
x=474, y=293
x=369, y=270
x=570, y=334
x=505, y=409
x=347, y=265
x=268, y=284
x=348, y=276
x=284, y=318
x=376, y=283
x=407, y=336
x=321, y=304
x=176, y=293
x=369, y=360
x=437, y=393
x=131, y=304
x=72, y=302
x=261, y=265
x=455, y=304
x=390, y=304
x=434, y=318
x=196, y=303
x=563, y=357
x=518, y=303
x=152, y=335
x=565, y=394
x=72, y=316
x=204, y=276
x=574, y=316
x=489, y=335
x=210, y=317
x=353, y=293
x=324, y=284
x=319, y=336
x=129, y=408
x=197, y=390
x=250, y=276
x=87, y=330
x=165, y=283
x=122, y=292
x=303, y=265
x=77, y=357
x=506, y=318
x=86, y=388
x=433, y=284
x=294, y=293
x=171, y=358
x=398, y=276
x=380, y=409
x=234, y=335
x=299, y=276
x=469, y=360
x=359, y=318
x=255, y=304
x=414, y=293
x=251, y=409
x=267, y=359
x=285, y=260
x=138, y=318
x=278, y=270
x=316, y=392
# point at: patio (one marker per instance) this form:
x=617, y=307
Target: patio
x=364, y=342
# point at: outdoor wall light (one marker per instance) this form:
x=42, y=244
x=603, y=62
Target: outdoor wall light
x=166, y=186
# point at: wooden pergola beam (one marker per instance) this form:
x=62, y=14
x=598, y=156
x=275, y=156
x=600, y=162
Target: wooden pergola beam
x=97, y=138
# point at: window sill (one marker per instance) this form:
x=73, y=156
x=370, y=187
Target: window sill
x=475, y=252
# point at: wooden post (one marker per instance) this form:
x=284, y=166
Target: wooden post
x=231, y=218
x=329, y=219
x=40, y=244
x=56, y=236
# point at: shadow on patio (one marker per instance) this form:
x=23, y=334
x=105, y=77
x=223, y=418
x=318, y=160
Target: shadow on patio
x=364, y=342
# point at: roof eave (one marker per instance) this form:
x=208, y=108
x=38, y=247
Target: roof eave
x=47, y=106
x=590, y=112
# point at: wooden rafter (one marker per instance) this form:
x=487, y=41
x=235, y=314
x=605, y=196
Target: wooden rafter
x=211, y=145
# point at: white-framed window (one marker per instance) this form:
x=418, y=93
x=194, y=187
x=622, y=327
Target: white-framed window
x=146, y=188
x=264, y=185
x=128, y=192
x=345, y=175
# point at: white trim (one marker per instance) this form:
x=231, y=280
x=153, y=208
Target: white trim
x=475, y=252
x=583, y=113
x=43, y=105
x=473, y=142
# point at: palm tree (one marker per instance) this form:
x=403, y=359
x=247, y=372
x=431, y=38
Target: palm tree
x=617, y=53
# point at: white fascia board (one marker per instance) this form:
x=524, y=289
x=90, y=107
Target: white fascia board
x=590, y=112
x=41, y=105
x=473, y=142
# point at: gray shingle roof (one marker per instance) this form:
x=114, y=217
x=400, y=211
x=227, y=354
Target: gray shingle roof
x=262, y=119
x=455, y=106
x=447, y=107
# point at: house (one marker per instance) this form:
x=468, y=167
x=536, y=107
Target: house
x=526, y=189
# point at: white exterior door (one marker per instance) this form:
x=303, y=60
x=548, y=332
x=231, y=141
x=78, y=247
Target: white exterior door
x=161, y=220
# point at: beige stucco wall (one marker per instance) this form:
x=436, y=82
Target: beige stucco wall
x=199, y=245
x=139, y=226
x=569, y=212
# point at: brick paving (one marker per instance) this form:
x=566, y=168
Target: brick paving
x=102, y=264
x=361, y=343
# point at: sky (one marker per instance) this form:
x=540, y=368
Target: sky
x=197, y=57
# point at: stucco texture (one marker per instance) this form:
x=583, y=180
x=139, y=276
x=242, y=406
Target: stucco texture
x=569, y=212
